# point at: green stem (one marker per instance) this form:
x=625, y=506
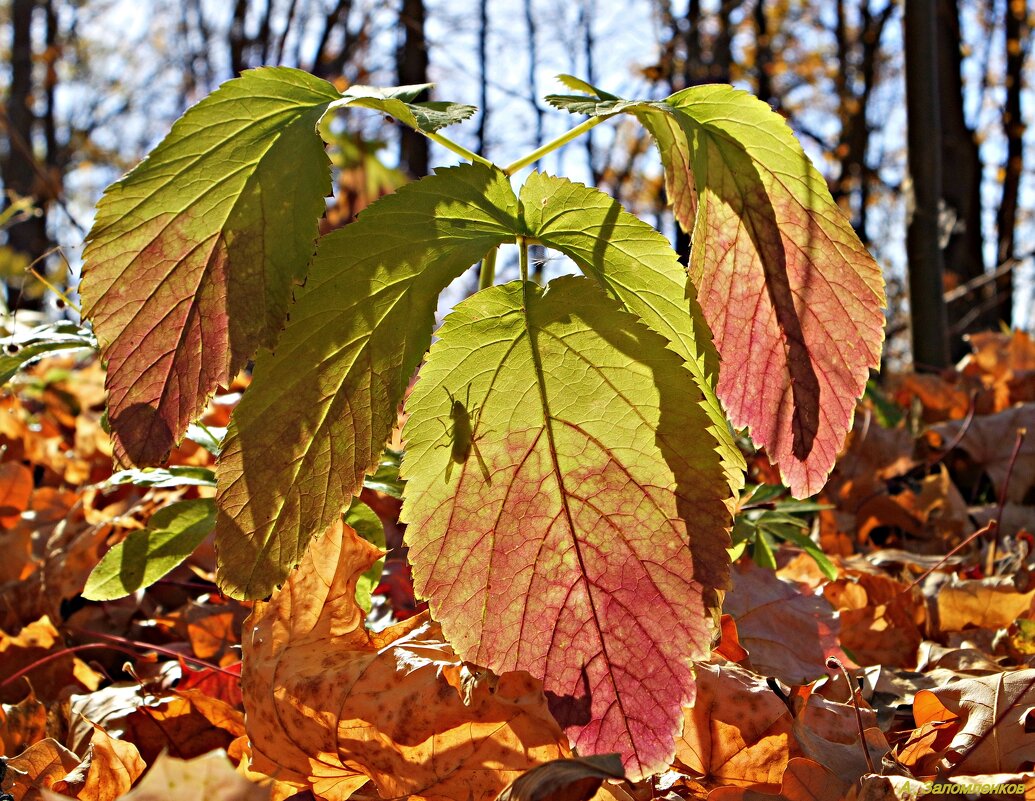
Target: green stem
x=552, y=145
x=487, y=274
x=460, y=150
x=523, y=257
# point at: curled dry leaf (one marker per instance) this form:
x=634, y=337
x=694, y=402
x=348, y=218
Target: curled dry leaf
x=576, y=779
x=331, y=705
x=108, y=770
x=993, y=731
x=37, y=768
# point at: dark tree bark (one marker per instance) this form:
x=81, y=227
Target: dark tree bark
x=763, y=54
x=483, y=76
x=21, y=172
x=412, y=68
x=855, y=80
x=1017, y=44
x=926, y=281
x=961, y=188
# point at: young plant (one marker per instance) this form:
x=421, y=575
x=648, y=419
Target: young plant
x=570, y=471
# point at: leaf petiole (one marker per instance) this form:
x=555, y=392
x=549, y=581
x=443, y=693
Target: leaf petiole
x=552, y=145
x=459, y=149
x=487, y=274
x=522, y=244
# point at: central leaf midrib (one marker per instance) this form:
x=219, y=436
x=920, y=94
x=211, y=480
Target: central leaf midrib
x=540, y=377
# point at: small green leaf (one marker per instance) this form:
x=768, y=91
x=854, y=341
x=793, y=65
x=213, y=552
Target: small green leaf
x=19, y=351
x=164, y=477
x=365, y=522
x=397, y=102
x=320, y=407
x=145, y=556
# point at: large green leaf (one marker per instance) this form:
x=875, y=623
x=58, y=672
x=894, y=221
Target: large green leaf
x=190, y=263
x=636, y=265
x=793, y=299
x=554, y=538
x=320, y=407
x=172, y=534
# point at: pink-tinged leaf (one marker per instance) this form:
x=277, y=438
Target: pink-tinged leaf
x=321, y=406
x=189, y=266
x=793, y=298
x=569, y=518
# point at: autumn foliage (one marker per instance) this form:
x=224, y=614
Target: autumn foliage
x=102, y=700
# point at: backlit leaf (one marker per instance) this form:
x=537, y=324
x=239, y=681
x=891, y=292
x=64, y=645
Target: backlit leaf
x=792, y=297
x=190, y=262
x=172, y=534
x=321, y=406
x=559, y=545
x=637, y=266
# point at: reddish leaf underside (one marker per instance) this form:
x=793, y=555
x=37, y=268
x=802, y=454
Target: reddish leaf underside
x=189, y=265
x=793, y=298
x=559, y=544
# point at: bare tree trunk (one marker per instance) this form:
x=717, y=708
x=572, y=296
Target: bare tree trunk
x=21, y=173
x=587, y=12
x=483, y=76
x=763, y=54
x=926, y=283
x=1017, y=45
x=412, y=67
x=961, y=187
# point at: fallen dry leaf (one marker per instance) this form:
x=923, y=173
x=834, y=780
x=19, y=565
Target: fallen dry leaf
x=881, y=620
x=738, y=731
x=981, y=603
x=994, y=731
x=210, y=777
x=804, y=780
x=787, y=634
x=37, y=768
x=22, y=724
x=331, y=704
x=989, y=442
x=576, y=779
x=15, y=492
x=50, y=679
x=108, y=769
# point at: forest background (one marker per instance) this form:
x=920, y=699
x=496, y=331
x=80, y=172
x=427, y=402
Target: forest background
x=912, y=568
x=91, y=86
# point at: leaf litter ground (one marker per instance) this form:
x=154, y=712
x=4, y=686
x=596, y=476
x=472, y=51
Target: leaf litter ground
x=144, y=696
